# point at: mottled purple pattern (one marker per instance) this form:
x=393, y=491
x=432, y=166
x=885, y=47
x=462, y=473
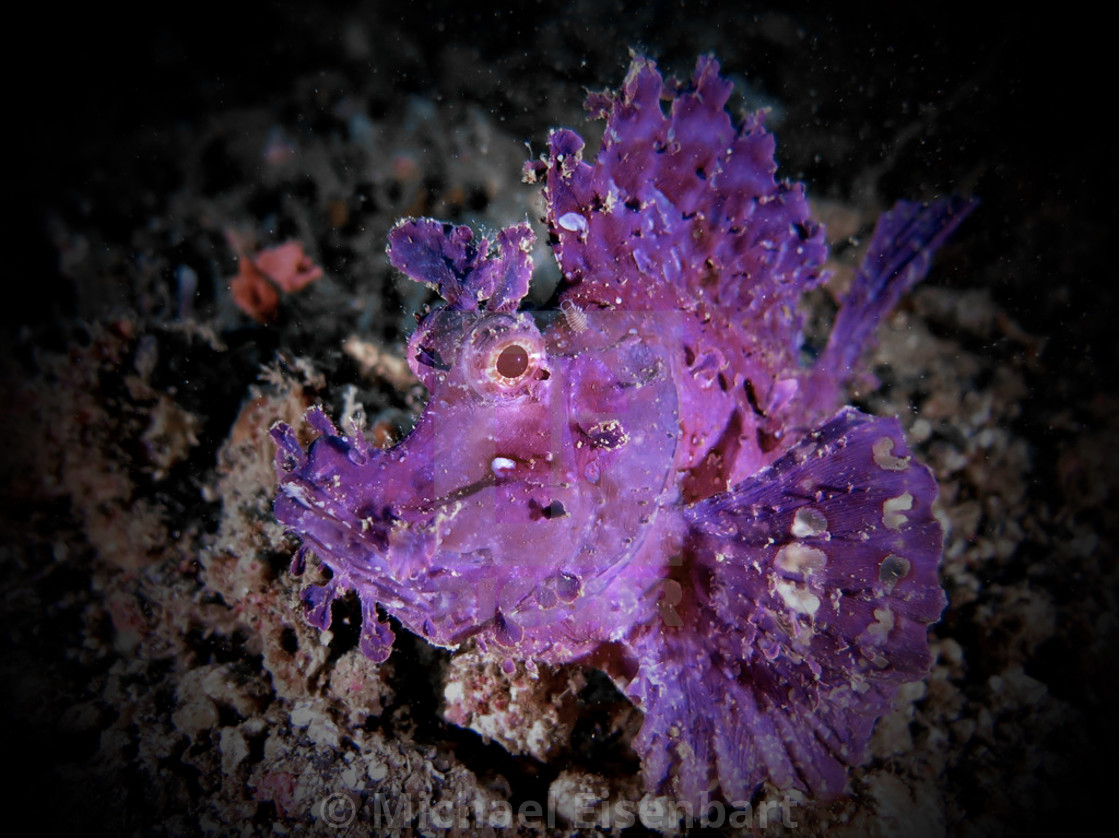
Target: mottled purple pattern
x=636, y=484
x=811, y=584
x=681, y=213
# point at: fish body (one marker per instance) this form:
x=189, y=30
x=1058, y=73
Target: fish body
x=655, y=480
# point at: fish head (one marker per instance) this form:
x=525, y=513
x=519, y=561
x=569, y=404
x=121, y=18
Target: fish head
x=539, y=474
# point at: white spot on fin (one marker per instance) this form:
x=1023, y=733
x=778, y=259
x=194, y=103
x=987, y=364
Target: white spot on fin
x=800, y=558
x=893, y=568
x=882, y=626
x=894, y=509
x=809, y=522
x=884, y=457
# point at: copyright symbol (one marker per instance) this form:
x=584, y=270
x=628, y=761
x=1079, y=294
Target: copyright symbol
x=337, y=810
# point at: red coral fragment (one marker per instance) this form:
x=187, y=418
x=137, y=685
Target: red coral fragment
x=257, y=286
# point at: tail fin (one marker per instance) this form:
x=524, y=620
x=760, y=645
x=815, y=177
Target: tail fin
x=808, y=591
x=899, y=256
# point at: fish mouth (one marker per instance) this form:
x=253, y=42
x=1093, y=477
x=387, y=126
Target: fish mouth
x=463, y=492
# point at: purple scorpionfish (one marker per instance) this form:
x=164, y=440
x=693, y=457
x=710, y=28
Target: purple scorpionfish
x=655, y=482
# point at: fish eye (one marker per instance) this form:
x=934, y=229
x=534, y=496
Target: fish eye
x=503, y=355
x=513, y=361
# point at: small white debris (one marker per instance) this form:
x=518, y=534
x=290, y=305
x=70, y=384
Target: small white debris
x=234, y=749
x=377, y=771
x=502, y=464
x=572, y=222
x=297, y=493
x=798, y=598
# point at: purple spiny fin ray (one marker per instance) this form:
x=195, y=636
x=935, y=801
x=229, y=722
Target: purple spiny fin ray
x=897, y=258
